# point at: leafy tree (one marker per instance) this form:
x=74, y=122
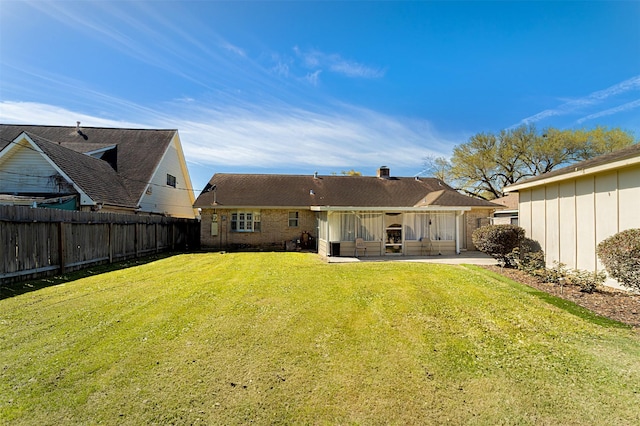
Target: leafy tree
x=488, y=162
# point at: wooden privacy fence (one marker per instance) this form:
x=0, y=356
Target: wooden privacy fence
x=38, y=242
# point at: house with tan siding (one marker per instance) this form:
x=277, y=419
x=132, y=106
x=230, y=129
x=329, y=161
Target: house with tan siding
x=387, y=216
x=95, y=169
x=569, y=211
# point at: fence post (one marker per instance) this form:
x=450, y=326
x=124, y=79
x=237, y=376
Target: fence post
x=61, y=244
x=110, y=242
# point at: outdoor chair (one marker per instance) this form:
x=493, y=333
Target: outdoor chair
x=360, y=245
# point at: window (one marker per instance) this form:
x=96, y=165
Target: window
x=416, y=226
x=370, y=226
x=443, y=226
x=293, y=219
x=171, y=180
x=245, y=222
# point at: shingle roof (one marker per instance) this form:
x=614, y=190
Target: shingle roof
x=139, y=150
x=338, y=191
x=95, y=177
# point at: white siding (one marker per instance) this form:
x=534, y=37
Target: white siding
x=629, y=198
x=552, y=212
x=567, y=223
x=571, y=217
x=165, y=199
x=524, y=212
x=25, y=170
x=538, y=228
x=585, y=223
x=606, y=187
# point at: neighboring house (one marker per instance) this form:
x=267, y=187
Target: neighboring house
x=508, y=214
x=90, y=168
x=570, y=210
x=391, y=216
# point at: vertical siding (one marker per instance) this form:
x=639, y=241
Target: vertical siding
x=538, y=228
x=585, y=223
x=569, y=219
x=629, y=198
x=551, y=232
x=606, y=207
x=567, y=223
x=524, y=212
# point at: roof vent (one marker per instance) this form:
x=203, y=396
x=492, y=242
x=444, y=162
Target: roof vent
x=315, y=175
x=383, y=172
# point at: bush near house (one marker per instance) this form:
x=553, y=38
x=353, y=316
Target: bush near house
x=499, y=241
x=620, y=255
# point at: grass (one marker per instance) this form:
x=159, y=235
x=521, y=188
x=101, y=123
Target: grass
x=281, y=338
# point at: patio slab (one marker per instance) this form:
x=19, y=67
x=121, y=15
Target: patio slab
x=468, y=257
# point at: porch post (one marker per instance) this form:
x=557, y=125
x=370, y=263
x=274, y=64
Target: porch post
x=458, y=216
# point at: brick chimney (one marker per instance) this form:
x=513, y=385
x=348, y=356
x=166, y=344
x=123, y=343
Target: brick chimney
x=383, y=172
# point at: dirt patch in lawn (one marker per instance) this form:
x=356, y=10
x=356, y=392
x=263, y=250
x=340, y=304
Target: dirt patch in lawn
x=608, y=302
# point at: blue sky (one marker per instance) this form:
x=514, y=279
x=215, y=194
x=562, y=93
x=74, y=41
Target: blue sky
x=298, y=87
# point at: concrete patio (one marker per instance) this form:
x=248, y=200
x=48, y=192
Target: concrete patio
x=469, y=257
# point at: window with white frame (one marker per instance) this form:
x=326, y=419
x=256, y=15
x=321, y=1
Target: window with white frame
x=245, y=221
x=294, y=219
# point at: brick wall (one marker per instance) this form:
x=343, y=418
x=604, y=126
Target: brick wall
x=274, y=233
x=475, y=219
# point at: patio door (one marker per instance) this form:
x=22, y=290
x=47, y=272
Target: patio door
x=393, y=238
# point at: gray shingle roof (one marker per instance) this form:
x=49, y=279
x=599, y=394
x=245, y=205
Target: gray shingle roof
x=338, y=191
x=95, y=177
x=139, y=153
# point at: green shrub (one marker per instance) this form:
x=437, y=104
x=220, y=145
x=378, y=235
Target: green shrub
x=498, y=241
x=588, y=281
x=620, y=255
x=528, y=256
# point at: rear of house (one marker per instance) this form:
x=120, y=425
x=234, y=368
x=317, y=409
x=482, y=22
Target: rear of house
x=385, y=215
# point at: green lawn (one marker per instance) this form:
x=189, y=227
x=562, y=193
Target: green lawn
x=282, y=338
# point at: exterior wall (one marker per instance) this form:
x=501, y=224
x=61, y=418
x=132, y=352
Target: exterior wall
x=274, y=233
x=571, y=217
x=26, y=171
x=164, y=199
x=474, y=219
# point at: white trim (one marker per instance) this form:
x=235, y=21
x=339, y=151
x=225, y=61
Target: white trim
x=97, y=151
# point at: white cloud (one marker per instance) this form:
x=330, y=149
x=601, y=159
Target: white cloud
x=610, y=111
x=314, y=59
x=271, y=136
x=578, y=105
x=313, y=77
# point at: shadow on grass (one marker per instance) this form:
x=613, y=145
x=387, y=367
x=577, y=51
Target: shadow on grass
x=564, y=304
x=15, y=289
